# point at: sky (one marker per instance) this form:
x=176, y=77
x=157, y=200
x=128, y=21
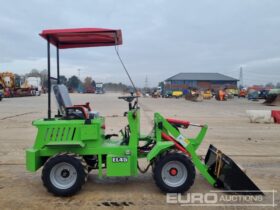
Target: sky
x=160, y=38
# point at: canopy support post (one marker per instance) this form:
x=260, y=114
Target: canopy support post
x=49, y=78
x=57, y=64
x=58, y=73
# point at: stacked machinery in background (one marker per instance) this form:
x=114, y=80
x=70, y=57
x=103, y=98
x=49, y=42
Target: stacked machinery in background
x=10, y=86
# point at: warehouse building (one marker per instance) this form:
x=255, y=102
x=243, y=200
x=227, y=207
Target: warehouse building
x=200, y=81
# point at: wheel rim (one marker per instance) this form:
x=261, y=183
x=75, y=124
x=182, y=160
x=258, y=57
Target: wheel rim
x=174, y=173
x=63, y=175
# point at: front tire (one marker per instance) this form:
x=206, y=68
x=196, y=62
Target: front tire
x=174, y=173
x=64, y=174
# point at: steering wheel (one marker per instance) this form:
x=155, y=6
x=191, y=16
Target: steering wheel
x=128, y=99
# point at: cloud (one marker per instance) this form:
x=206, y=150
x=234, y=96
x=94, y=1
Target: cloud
x=161, y=38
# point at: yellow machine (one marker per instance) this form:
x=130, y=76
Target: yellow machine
x=9, y=88
x=177, y=94
x=232, y=91
x=7, y=82
x=207, y=94
x=7, y=79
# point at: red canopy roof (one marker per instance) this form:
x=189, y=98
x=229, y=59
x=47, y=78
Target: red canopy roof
x=83, y=37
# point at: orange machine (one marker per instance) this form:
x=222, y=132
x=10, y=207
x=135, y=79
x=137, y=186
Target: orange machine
x=221, y=95
x=242, y=93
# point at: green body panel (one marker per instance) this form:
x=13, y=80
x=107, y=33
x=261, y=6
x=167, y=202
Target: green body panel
x=33, y=159
x=76, y=136
x=159, y=148
x=122, y=168
x=69, y=131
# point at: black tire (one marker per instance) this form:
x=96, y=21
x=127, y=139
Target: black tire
x=183, y=164
x=74, y=169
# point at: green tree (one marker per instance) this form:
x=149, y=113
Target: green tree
x=116, y=87
x=44, y=77
x=93, y=84
x=270, y=84
x=73, y=82
x=63, y=79
x=87, y=81
x=34, y=73
x=88, y=85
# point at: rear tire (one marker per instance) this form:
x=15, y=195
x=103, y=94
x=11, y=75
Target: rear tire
x=64, y=174
x=174, y=173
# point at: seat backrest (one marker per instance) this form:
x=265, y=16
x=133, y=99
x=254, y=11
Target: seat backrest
x=62, y=97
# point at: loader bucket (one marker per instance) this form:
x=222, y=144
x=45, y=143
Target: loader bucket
x=228, y=175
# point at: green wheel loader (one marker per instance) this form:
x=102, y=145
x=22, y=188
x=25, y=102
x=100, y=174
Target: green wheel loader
x=73, y=142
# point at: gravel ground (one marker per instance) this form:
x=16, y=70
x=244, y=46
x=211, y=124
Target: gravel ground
x=254, y=146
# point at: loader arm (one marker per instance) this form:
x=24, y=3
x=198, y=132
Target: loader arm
x=163, y=128
x=219, y=169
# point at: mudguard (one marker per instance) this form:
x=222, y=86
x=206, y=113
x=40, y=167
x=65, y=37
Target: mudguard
x=159, y=148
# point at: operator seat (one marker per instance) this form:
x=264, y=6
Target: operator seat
x=67, y=109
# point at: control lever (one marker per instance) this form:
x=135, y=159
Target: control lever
x=130, y=99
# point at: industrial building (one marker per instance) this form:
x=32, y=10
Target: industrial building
x=200, y=81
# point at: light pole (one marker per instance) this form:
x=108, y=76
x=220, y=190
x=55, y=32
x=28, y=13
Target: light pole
x=79, y=73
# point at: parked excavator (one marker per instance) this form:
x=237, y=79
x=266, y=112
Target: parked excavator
x=12, y=89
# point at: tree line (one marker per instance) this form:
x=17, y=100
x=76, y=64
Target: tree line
x=75, y=84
